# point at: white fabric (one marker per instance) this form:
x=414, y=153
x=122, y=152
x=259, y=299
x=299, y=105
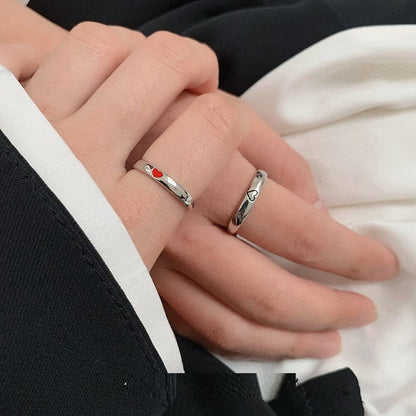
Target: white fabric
x=348, y=105
x=37, y=141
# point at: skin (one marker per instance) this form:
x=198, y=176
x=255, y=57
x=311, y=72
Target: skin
x=115, y=97
x=25, y=38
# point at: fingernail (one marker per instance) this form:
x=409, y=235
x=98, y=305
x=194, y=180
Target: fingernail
x=390, y=268
x=375, y=315
x=367, y=318
x=330, y=346
x=358, y=310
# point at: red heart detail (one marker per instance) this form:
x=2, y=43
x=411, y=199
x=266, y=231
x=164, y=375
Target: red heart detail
x=157, y=173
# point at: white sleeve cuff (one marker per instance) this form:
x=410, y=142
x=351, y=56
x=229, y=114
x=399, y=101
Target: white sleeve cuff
x=39, y=143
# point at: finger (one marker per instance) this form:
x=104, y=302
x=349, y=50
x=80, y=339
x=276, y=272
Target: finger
x=187, y=331
x=134, y=97
x=266, y=150
x=283, y=223
x=22, y=25
x=252, y=284
x=20, y=59
x=263, y=148
x=182, y=102
x=192, y=151
x=225, y=331
x=89, y=54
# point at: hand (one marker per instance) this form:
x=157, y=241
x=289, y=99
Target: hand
x=241, y=314
x=226, y=295
x=104, y=87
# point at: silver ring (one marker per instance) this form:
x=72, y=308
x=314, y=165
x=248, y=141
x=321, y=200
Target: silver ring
x=248, y=201
x=166, y=181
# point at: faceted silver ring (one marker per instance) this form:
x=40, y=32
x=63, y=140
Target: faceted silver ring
x=166, y=181
x=248, y=201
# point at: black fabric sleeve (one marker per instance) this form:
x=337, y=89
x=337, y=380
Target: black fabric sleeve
x=333, y=394
x=70, y=342
x=250, y=37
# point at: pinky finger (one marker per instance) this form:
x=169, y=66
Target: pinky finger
x=195, y=314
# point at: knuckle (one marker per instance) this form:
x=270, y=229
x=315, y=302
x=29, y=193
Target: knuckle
x=309, y=240
x=296, y=171
x=210, y=58
x=268, y=309
x=172, y=51
x=183, y=245
x=294, y=350
x=221, y=116
x=98, y=40
x=301, y=172
x=302, y=166
x=223, y=339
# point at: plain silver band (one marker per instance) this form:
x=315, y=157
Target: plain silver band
x=248, y=201
x=166, y=181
